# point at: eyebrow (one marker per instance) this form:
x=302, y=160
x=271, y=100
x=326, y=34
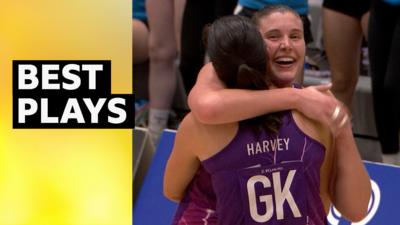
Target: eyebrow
x=277, y=30
x=298, y=30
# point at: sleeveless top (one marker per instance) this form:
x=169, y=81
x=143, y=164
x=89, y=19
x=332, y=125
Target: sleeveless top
x=198, y=205
x=264, y=178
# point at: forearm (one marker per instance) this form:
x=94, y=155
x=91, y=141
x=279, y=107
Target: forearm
x=352, y=186
x=230, y=105
x=212, y=103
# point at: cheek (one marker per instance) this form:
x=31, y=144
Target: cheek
x=271, y=49
x=300, y=48
x=303, y=51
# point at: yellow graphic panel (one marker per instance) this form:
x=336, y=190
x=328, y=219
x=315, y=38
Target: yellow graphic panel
x=65, y=176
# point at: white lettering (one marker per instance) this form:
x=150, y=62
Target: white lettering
x=94, y=109
x=265, y=146
x=279, y=140
x=281, y=195
x=258, y=148
x=44, y=108
x=250, y=149
x=76, y=81
x=23, y=111
x=92, y=74
x=273, y=144
x=27, y=72
x=267, y=199
x=47, y=76
x=284, y=194
x=72, y=111
x=112, y=107
x=278, y=144
x=286, y=140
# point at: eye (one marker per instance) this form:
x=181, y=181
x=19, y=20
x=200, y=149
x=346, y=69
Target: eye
x=273, y=37
x=296, y=36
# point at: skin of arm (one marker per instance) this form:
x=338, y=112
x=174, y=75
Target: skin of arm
x=194, y=141
x=212, y=103
x=182, y=163
x=350, y=186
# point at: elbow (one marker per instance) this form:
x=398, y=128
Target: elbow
x=172, y=195
x=357, y=215
x=354, y=214
x=361, y=211
x=173, y=198
x=358, y=211
x=205, y=108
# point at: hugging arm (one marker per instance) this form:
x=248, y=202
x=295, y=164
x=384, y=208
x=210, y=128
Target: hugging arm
x=212, y=103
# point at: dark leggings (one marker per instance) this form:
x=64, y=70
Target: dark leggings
x=384, y=53
x=197, y=14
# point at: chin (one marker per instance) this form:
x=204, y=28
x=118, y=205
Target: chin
x=285, y=79
x=283, y=82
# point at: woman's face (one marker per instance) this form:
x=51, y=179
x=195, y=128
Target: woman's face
x=283, y=35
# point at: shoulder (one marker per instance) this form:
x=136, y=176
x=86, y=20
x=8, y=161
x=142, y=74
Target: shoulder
x=314, y=129
x=189, y=126
x=188, y=121
x=204, y=139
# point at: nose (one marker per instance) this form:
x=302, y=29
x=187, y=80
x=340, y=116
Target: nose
x=285, y=43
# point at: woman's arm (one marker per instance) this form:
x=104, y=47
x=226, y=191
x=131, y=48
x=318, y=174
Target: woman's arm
x=212, y=103
x=350, y=187
x=182, y=163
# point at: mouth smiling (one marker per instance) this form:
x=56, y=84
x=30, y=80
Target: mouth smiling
x=285, y=62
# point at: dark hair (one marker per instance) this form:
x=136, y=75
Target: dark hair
x=269, y=9
x=238, y=54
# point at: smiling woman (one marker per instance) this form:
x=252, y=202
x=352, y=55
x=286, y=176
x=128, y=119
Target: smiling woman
x=283, y=34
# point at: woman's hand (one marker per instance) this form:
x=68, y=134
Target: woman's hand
x=318, y=103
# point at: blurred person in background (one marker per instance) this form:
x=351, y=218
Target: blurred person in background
x=345, y=23
x=140, y=32
x=196, y=15
x=164, y=17
x=384, y=56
